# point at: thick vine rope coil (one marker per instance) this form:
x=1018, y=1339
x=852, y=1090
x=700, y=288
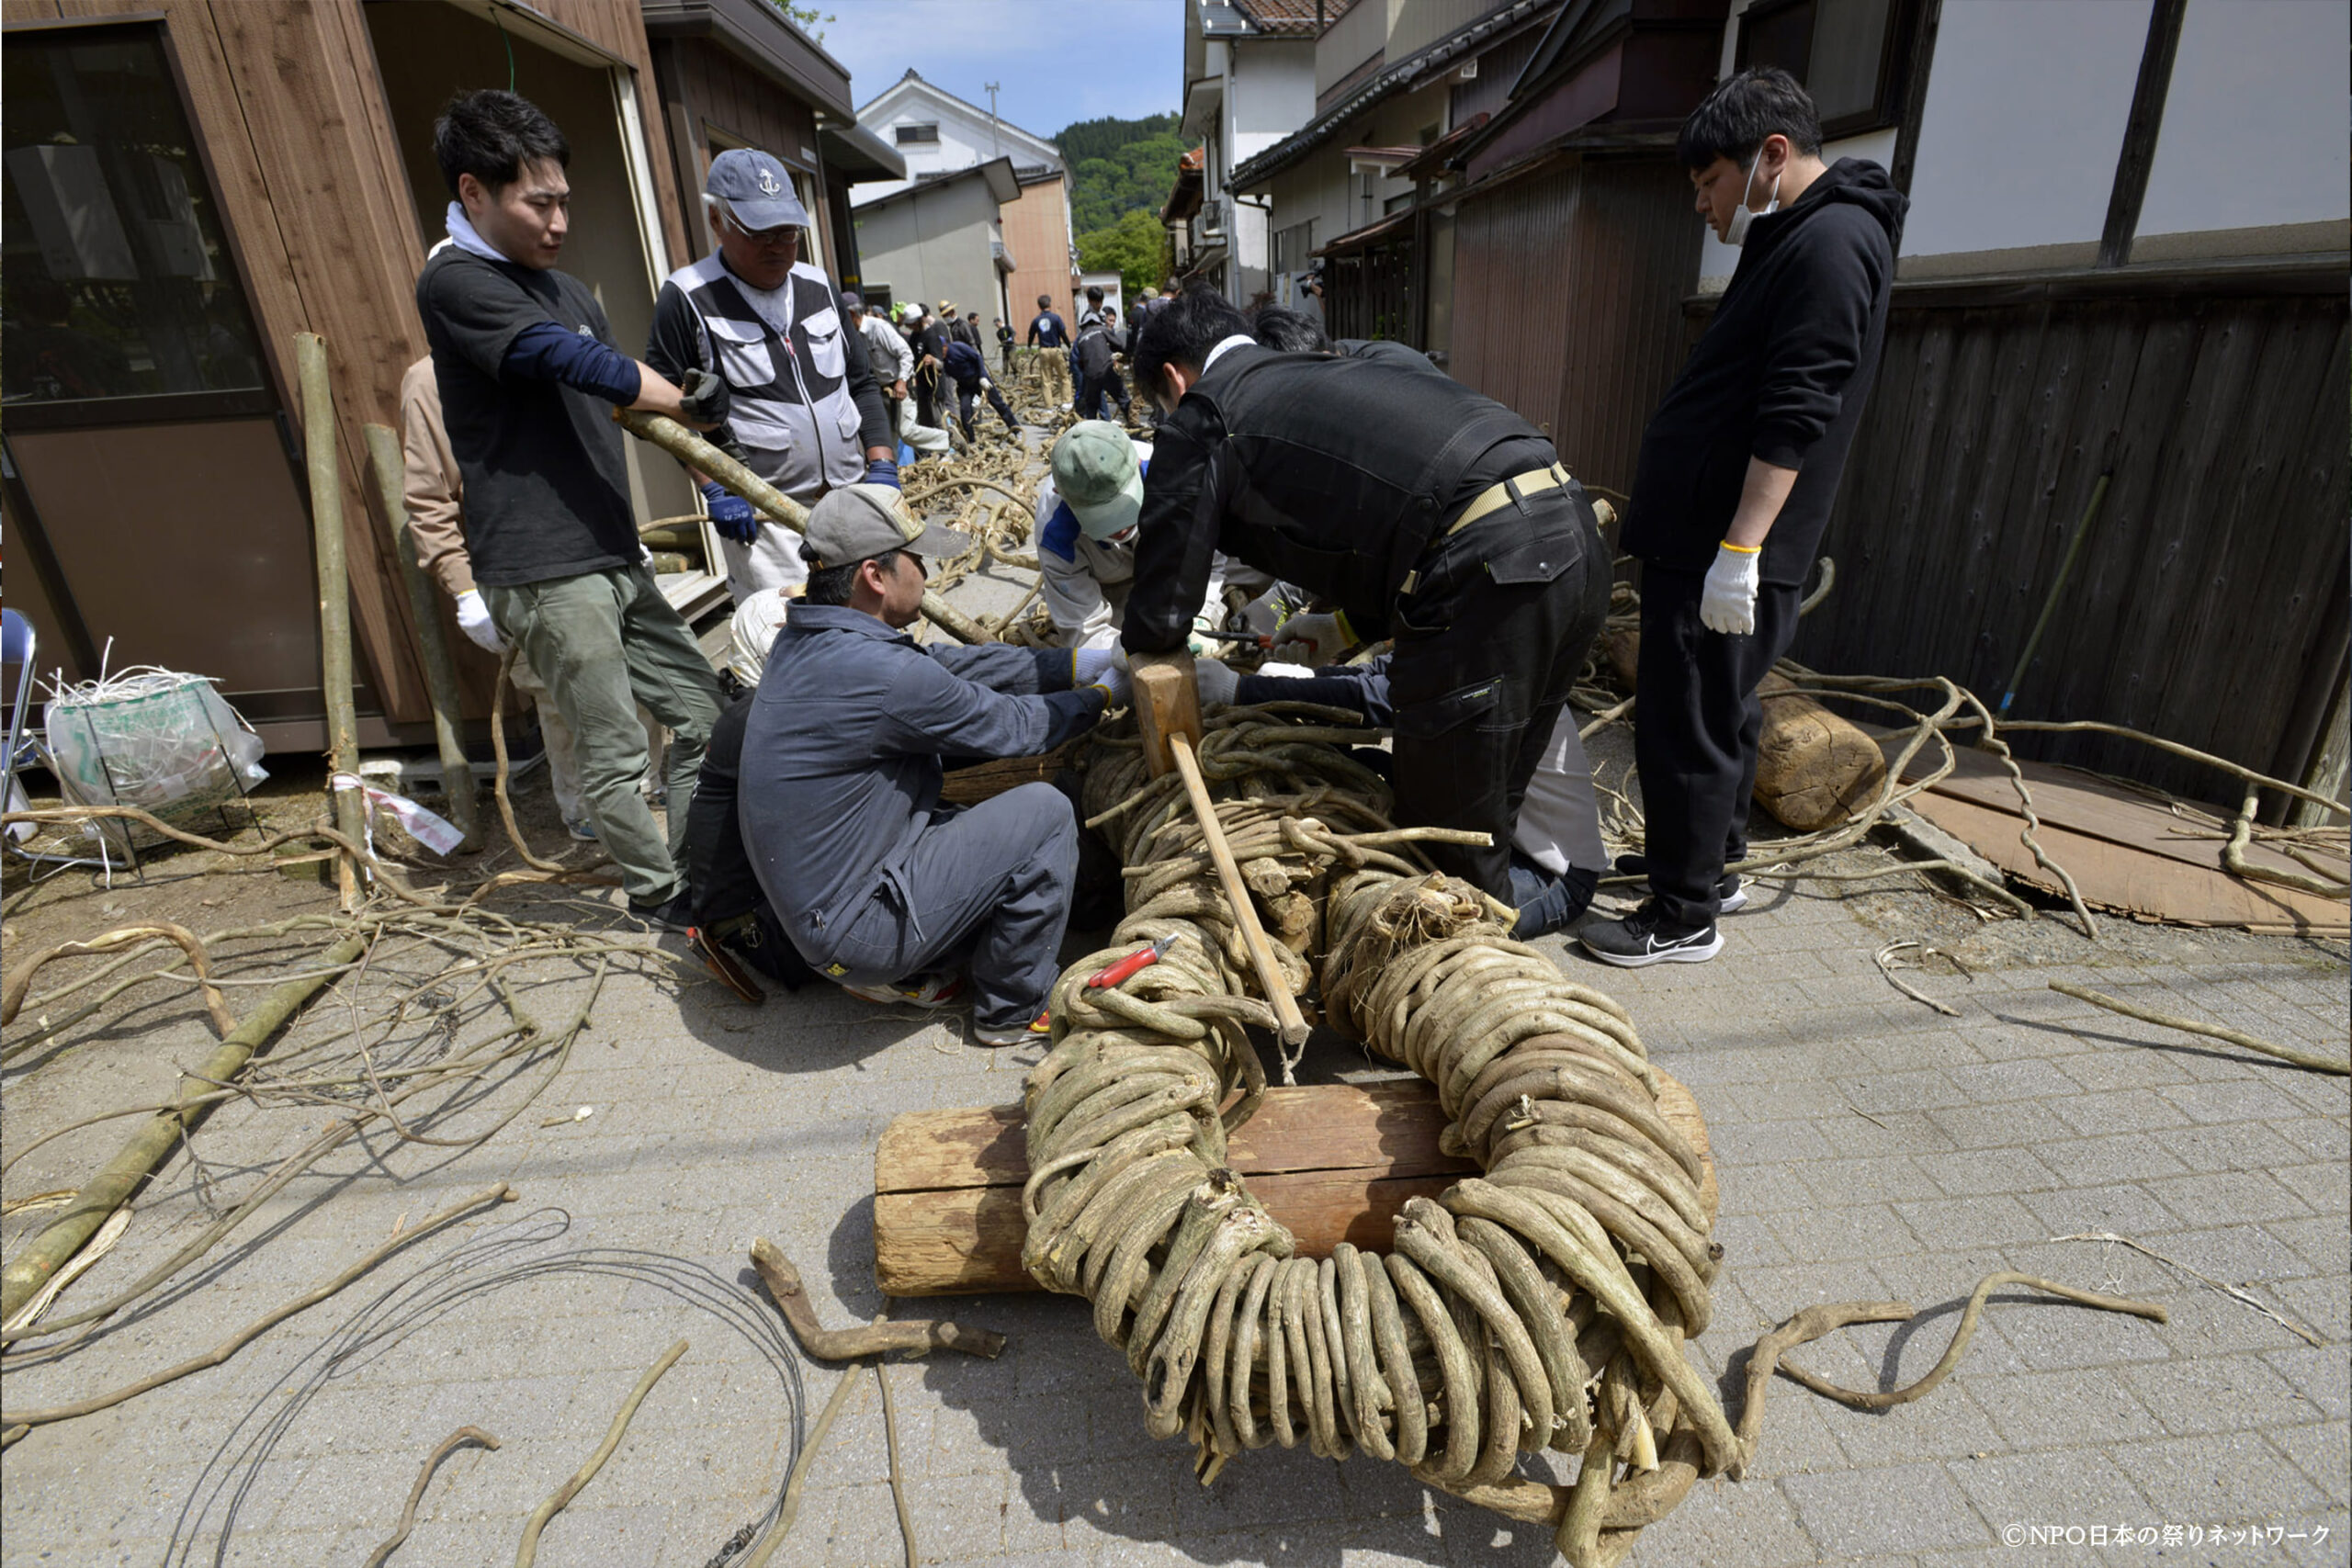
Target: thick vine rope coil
x=1542, y=1305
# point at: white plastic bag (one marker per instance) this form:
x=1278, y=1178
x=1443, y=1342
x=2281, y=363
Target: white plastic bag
x=158, y=739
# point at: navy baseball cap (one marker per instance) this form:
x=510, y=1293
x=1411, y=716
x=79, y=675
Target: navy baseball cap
x=757, y=188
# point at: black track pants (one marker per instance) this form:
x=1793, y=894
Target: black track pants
x=1695, y=727
x=1486, y=652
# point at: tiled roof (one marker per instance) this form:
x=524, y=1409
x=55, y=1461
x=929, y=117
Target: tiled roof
x=1290, y=18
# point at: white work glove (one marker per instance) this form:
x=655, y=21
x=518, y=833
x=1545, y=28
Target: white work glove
x=1217, y=683
x=1115, y=685
x=1104, y=667
x=1727, y=603
x=1314, y=640
x=473, y=619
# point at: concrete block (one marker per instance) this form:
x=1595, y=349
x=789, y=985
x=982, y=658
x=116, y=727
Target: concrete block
x=2228, y=1478
x=2214, y=1394
x=2220, y=1198
x=2061, y=1410
x=1871, y=1514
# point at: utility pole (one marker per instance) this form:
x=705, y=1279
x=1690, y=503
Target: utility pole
x=995, y=146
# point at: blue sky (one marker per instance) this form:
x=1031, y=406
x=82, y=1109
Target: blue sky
x=1054, y=60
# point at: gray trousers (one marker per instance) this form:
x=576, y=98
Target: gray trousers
x=992, y=884
x=605, y=642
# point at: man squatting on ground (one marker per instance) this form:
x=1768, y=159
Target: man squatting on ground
x=869, y=876
x=528, y=374
x=803, y=403
x=1417, y=507
x=1732, y=490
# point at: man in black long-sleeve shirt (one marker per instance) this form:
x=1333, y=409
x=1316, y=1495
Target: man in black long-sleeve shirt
x=1424, y=511
x=1738, y=469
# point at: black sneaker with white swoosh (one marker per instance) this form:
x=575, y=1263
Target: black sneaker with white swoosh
x=1647, y=937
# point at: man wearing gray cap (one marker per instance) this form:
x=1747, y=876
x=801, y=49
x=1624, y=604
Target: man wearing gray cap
x=804, y=404
x=872, y=880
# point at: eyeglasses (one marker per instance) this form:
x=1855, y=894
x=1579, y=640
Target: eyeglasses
x=782, y=234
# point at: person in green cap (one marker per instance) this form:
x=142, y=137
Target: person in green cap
x=1086, y=535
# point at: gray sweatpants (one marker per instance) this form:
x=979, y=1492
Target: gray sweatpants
x=992, y=883
x=605, y=642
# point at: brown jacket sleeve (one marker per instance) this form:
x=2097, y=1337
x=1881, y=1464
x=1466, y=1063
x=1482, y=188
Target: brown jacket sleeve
x=431, y=485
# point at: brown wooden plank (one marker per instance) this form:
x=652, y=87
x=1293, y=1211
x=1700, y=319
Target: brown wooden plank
x=1315, y=1127
x=311, y=104
x=1331, y=1162
x=2086, y=805
x=2110, y=876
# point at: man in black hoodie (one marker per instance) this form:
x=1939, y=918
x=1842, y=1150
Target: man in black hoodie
x=1738, y=469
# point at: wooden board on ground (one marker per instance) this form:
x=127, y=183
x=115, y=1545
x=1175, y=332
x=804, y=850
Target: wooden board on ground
x=1332, y=1162
x=2125, y=850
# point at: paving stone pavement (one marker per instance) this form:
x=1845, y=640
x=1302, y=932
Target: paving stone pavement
x=1865, y=1147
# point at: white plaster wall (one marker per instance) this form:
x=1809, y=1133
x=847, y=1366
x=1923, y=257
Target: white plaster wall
x=2027, y=102
x=1717, y=259
x=2254, y=125
x=1269, y=95
x=964, y=141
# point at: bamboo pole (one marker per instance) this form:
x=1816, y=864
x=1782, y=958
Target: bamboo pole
x=2306, y=1059
x=334, y=603
x=440, y=670
x=113, y=1185
x=701, y=456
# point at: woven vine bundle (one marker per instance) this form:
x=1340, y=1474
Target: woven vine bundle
x=1542, y=1305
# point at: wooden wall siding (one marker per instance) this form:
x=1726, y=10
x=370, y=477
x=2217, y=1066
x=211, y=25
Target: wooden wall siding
x=284, y=100
x=291, y=115
x=1617, y=289
x=1036, y=230
x=2209, y=605
x=618, y=28
x=1508, y=249
x=1567, y=302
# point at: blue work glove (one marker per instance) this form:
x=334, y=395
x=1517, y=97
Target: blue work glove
x=882, y=471
x=731, y=514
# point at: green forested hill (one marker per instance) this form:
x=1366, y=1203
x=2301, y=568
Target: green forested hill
x=1117, y=166
x=1121, y=171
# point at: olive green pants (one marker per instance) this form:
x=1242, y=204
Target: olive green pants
x=605, y=642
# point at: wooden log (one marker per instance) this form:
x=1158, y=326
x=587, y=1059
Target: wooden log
x=1814, y=770
x=334, y=603
x=440, y=670
x=1332, y=1162
x=986, y=781
x=703, y=457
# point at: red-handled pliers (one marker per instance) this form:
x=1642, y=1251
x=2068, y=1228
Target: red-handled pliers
x=1133, y=963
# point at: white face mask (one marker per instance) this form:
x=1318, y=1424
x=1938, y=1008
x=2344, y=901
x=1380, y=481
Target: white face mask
x=1736, y=233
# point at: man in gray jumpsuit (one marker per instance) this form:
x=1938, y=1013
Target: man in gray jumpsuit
x=843, y=759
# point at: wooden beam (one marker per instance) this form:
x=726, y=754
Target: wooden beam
x=2138, y=154
x=1924, y=25
x=1331, y=1162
